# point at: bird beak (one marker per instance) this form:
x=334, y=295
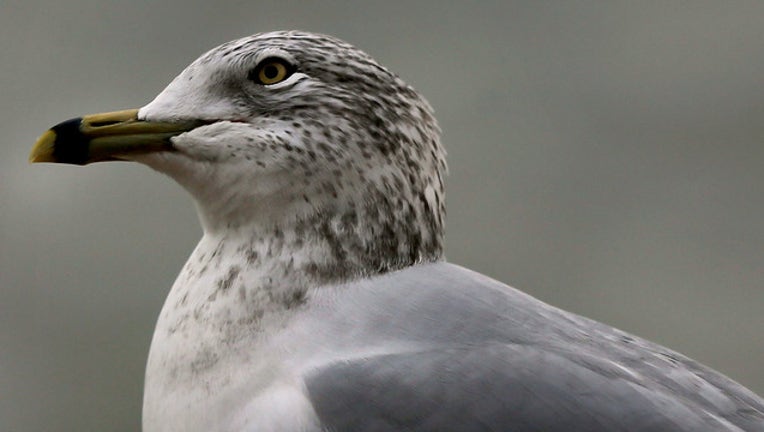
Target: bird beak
x=105, y=137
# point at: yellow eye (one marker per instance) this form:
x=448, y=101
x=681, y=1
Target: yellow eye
x=271, y=71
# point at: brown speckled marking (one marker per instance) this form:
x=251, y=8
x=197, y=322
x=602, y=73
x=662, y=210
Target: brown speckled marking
x=225, y=283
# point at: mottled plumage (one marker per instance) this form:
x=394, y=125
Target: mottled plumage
x=318, y=298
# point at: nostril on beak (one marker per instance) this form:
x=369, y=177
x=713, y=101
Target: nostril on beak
x=104, y=123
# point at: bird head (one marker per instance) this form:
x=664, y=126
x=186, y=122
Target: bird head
x=280, y=127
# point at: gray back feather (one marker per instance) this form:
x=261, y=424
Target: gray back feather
x=491, y=358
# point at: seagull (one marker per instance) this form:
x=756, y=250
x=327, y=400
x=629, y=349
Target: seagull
x=319, y=299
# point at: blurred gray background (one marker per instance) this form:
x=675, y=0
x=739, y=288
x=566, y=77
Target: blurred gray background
x=605, y=157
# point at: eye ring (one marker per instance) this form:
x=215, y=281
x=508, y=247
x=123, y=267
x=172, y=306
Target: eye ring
x=271, y=70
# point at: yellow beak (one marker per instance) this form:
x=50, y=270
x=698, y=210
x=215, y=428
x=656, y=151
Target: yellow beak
x=105, y=137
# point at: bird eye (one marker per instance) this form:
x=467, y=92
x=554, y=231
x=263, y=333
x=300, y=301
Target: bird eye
x=271, y=71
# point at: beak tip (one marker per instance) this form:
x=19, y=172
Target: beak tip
x=44, y=148
x=105, y=137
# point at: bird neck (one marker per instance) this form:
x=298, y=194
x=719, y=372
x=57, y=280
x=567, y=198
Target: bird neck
x=329, y=237
x=323, y=247
x=250, y=275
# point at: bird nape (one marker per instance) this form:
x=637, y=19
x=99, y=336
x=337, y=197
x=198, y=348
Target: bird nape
x=318, y=298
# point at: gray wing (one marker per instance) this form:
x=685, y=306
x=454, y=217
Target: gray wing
x=492, y=388
x=494, y=359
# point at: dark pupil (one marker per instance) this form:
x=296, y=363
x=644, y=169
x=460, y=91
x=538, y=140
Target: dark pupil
x=270, y=71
